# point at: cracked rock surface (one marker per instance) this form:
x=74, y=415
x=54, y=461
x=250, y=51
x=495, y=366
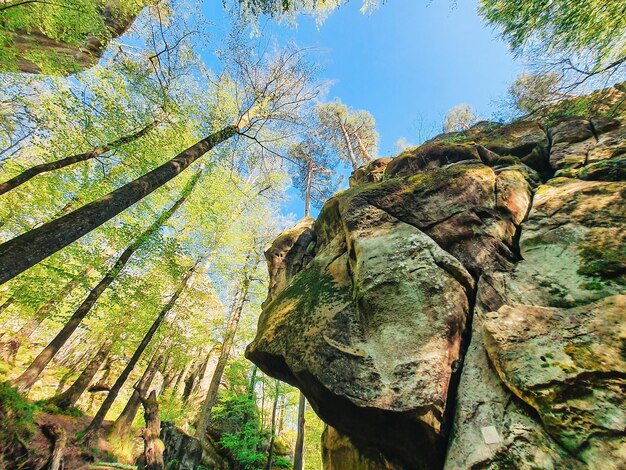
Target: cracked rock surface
x=459, y=305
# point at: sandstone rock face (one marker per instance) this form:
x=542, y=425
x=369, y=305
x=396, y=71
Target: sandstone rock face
x=461, y=306
x=569, y=365
x=339, y=451
x=34, y=44
x=184, y=452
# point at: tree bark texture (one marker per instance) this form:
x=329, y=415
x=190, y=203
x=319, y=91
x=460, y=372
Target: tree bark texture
x=238, y=303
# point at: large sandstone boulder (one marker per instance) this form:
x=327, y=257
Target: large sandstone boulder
x=459, y=306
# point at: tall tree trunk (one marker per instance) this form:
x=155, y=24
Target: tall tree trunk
x=178, y=390
x=95, y=424
x=25, y=381
x=95, y=152
x=122, y=424
x=346, y=138
x=307, y=196
x=362, y=149
x=153, y=446
x=169, y=378
x=238, y=303
x=68, y=356
x=69, y=398
x=298, y=455
x=270, y=452
x=28, y=249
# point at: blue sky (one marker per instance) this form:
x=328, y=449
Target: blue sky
x=407, y=63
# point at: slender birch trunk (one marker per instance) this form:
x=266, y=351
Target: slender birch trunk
x=346, y=138
x=307, y=195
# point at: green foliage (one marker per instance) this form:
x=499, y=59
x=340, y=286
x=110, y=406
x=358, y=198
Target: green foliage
x=289, y=9
x=16, y=412
x=26, y=26
x=51, y=408
x=562, y=27
x=238, y=413
x=281, y=462
x=16, y=426
x=531, y=92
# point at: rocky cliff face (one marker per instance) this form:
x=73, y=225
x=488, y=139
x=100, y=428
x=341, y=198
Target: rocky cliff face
x=34, y=47
x=462, y=305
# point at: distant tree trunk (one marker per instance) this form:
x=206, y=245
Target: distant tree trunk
x=263, y=405
x=63, y=381
x=123, y=423
x=190, y=381
x=28, y=249
x=6, y=304
x=270, y=453
x=252, y=381
x=95, y=152
x=346, y=138
x=201, y=372
x=95, y=424
x=298, y=455
x=307, y=195
x=47, y=308
x=169, y=378
x=362, y=149
x=69, y=398
x=68, y=356
x=153, y=446
x=179, y=389
x=281, y=415
x=238, y=303
x=25, y=381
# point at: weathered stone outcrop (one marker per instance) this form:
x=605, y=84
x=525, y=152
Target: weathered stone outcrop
x=34, y=47
x=460, y=305
x=184, y=452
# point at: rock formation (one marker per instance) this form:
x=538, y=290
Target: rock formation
x=462, y=305
x=34, y=46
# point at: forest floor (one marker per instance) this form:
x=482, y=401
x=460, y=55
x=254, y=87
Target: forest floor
x=37, y=448
x=23, y=423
